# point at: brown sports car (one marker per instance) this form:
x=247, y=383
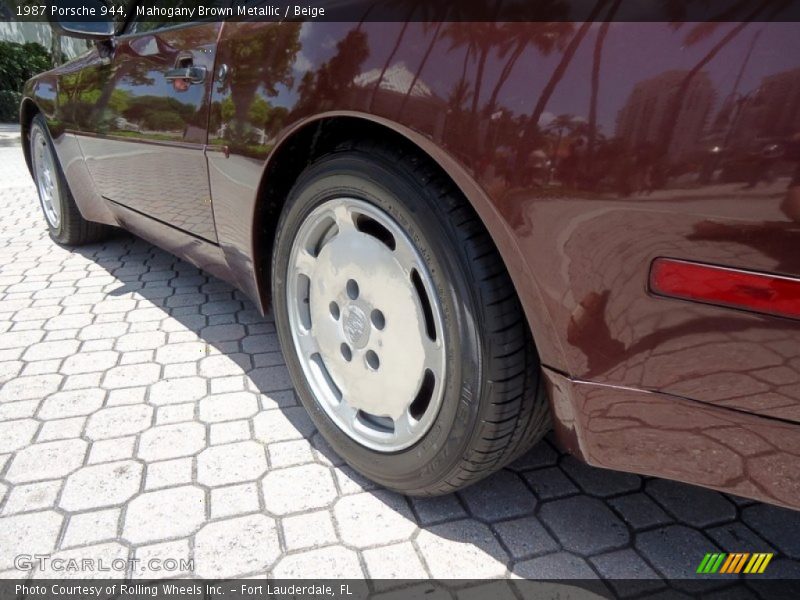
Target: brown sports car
x=470, y=233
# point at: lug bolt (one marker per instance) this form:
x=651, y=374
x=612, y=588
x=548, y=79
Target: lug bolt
x=346, y=352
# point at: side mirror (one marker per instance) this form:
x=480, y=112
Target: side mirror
x=87, y=19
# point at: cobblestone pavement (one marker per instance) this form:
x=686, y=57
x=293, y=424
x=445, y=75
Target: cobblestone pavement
x=145, y=412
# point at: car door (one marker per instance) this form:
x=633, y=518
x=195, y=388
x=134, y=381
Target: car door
x=145, y=141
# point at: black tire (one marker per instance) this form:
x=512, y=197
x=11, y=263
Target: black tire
x=494, y=407
x=72, y=229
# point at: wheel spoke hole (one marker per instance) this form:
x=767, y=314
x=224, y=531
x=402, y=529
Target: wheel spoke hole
x=424, y=395
x=425, y=302
x=319, y=364
x=352, y=289
x=322, y=232
x=334, y=310
x=373, y=362
x=381, y=424
x=347, y=354
x=371, y=227
x=377, y=318
x=303, y=306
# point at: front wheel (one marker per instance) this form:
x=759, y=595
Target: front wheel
x=400, y=326
x=64, y=221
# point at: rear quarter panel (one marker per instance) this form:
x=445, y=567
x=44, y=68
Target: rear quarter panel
x=593, y=149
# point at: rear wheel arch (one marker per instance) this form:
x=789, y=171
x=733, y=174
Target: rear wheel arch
x=321, y=135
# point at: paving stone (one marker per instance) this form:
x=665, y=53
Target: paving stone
x=102, y=485
x=164, y=514
x=541, y=455
x=287, y=454
x=398, y=561
x=525, y=537
x=146, y=340
x=171, y=441
x=281, y=425
x=371, y=518
x=9, y=369
x=224, y=365
x=691, y=504
x=119, y=421
x=308, y=530
x=333, y=562
x=600, y=482
x=16, y=434
x=640, y=511
x=230, y=431
x=177, y=391
x=181, y=353
x=10, y=411
x=674, y=550
x=89, y=362
x=500, y=496
x=25, y=388
x=168, y=473
x=172, y=558
x=32, y=496
x=71, y=404
x=39, y=530
x=110, y=450
x=627, y=566
x=49, y=350
x=175, y=413
x=778, y=525
x=550, y=483
x=584, y=525
x=61, y=429
x=132, y=375
x=49, y=460
x=109, y=554
x=231, y=463
x=462, y=549
x=560, y=565
x=270, y=379
x=297, y=489
x=228, y=407
x=236, y=546
x=222, y=333
x=351, y=482
x=437, y=509
x=92, y=527
x=734, y=537
x=234, y=500
x=126, y=396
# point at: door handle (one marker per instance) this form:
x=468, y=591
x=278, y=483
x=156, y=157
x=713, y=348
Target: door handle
x=191, y=74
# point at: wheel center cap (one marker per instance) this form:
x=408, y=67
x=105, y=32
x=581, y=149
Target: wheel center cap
x=356, y=326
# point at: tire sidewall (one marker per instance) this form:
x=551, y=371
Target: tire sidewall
x=39, y=125
x=415, y=208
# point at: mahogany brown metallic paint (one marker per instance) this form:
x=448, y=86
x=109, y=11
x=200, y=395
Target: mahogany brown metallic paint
x=588, y=150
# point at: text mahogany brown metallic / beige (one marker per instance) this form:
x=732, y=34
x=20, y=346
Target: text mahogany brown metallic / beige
x=610, y=168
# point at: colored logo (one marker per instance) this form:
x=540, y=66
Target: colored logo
x=736, y=562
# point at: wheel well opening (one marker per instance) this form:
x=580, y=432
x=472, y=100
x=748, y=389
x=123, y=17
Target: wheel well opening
x=304, y=147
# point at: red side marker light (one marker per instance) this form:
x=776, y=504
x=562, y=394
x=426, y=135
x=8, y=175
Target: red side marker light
x=724, y=286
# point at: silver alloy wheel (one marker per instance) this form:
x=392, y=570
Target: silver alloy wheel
x=44, y=167
x=366, y=324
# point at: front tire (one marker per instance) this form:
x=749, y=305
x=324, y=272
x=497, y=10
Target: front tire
x=64, y=221
x=400, y=326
